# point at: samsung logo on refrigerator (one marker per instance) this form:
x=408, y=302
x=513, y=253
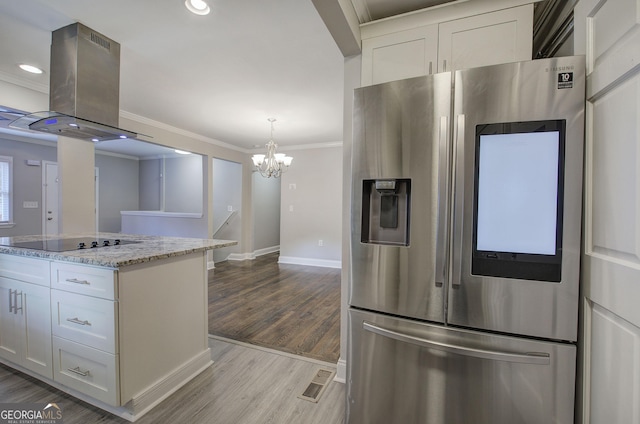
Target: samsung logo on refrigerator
x=560, y=68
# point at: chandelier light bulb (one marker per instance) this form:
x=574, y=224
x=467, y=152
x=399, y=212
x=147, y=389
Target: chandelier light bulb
x=272, y=164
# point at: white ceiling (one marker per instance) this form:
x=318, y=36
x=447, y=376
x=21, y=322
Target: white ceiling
x=219, y=76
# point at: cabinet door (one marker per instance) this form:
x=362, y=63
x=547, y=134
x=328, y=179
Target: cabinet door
x=488, y=39
x=25, y=325
x=400, y=55
x=11, y=323
x=36, y=308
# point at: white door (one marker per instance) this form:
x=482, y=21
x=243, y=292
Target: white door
x=50, y=193
x=50, y=189
x=608, y=32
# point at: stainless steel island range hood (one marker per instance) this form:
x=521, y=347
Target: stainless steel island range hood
x=84, y=98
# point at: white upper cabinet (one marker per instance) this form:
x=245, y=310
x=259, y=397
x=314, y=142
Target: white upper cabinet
x=402, y=47
x=400, y=55
x=488, y=39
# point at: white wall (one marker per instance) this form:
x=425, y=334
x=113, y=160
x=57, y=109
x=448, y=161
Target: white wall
x=311, y=208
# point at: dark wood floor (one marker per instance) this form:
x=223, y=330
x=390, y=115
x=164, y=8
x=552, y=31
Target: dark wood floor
x=290, y=308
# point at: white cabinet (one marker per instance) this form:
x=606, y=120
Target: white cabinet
x=87, y=370
x=25, y=319
x=488, y=39
x=84, y=317
x=121, y=338
x=400, y=48
x=400, y=55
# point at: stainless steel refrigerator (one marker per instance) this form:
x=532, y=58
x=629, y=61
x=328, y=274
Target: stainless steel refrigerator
x=465, y=250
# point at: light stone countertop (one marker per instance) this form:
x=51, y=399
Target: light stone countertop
x=151, y=248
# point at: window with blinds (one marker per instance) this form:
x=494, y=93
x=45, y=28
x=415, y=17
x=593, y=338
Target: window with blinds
x=5, y=189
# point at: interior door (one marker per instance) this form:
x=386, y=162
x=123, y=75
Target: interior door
x=523, y=91
x=608, y=32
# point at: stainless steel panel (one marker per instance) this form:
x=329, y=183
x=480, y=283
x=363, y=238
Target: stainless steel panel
x=404, y=371
x=525, y=91
x=401, y=131
x=85, y=74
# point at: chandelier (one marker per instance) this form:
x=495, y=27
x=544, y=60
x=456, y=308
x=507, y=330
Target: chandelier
x=272, y=164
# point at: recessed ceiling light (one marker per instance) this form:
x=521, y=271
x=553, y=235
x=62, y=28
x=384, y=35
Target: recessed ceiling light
x=182, y=152
x=30, y=68
x=199, y=7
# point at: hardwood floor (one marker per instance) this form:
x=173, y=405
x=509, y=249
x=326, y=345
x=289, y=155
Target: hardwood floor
x=290, y=308
x=245, y=385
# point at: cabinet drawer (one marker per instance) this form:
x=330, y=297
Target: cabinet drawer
x=87, y=370
x=83, y=319
x=34, y=271
x=92, y=281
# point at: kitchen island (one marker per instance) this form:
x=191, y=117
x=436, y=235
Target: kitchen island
x=118, y=326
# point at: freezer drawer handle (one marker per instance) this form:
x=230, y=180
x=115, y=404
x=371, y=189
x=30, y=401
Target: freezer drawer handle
x=524, y=358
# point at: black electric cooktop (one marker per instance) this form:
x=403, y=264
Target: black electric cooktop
x=63, y=245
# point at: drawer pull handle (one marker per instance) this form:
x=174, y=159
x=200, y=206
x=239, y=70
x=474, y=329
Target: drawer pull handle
x=78, y=371
x=76, y=281
x=78, y=321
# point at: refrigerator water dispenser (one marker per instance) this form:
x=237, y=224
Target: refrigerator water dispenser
x=385, y=211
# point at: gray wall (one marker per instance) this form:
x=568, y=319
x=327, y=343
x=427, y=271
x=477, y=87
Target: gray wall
x=171, y=184
x=311, y=207
x=118, y=190
x=227, y=194
x=118, y=185
x=183, y=184
x=150, y=185
x=266, y=212
x=27, y=183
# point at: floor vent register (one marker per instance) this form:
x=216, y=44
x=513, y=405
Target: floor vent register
x=317, y=386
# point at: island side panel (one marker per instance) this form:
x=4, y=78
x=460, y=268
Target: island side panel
x=162, y=326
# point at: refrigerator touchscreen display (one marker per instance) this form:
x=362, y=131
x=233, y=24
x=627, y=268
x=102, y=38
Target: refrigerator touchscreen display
x=518, y=200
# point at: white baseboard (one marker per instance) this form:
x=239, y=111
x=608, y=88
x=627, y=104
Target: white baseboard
x=252, y=255
x=240, y=256
x=309, y=261
x=282, y=259
x=341, y=371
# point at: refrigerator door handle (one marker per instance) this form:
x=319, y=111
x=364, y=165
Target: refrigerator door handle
x=442, y=250
x=535, y=358
x=457, y=209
